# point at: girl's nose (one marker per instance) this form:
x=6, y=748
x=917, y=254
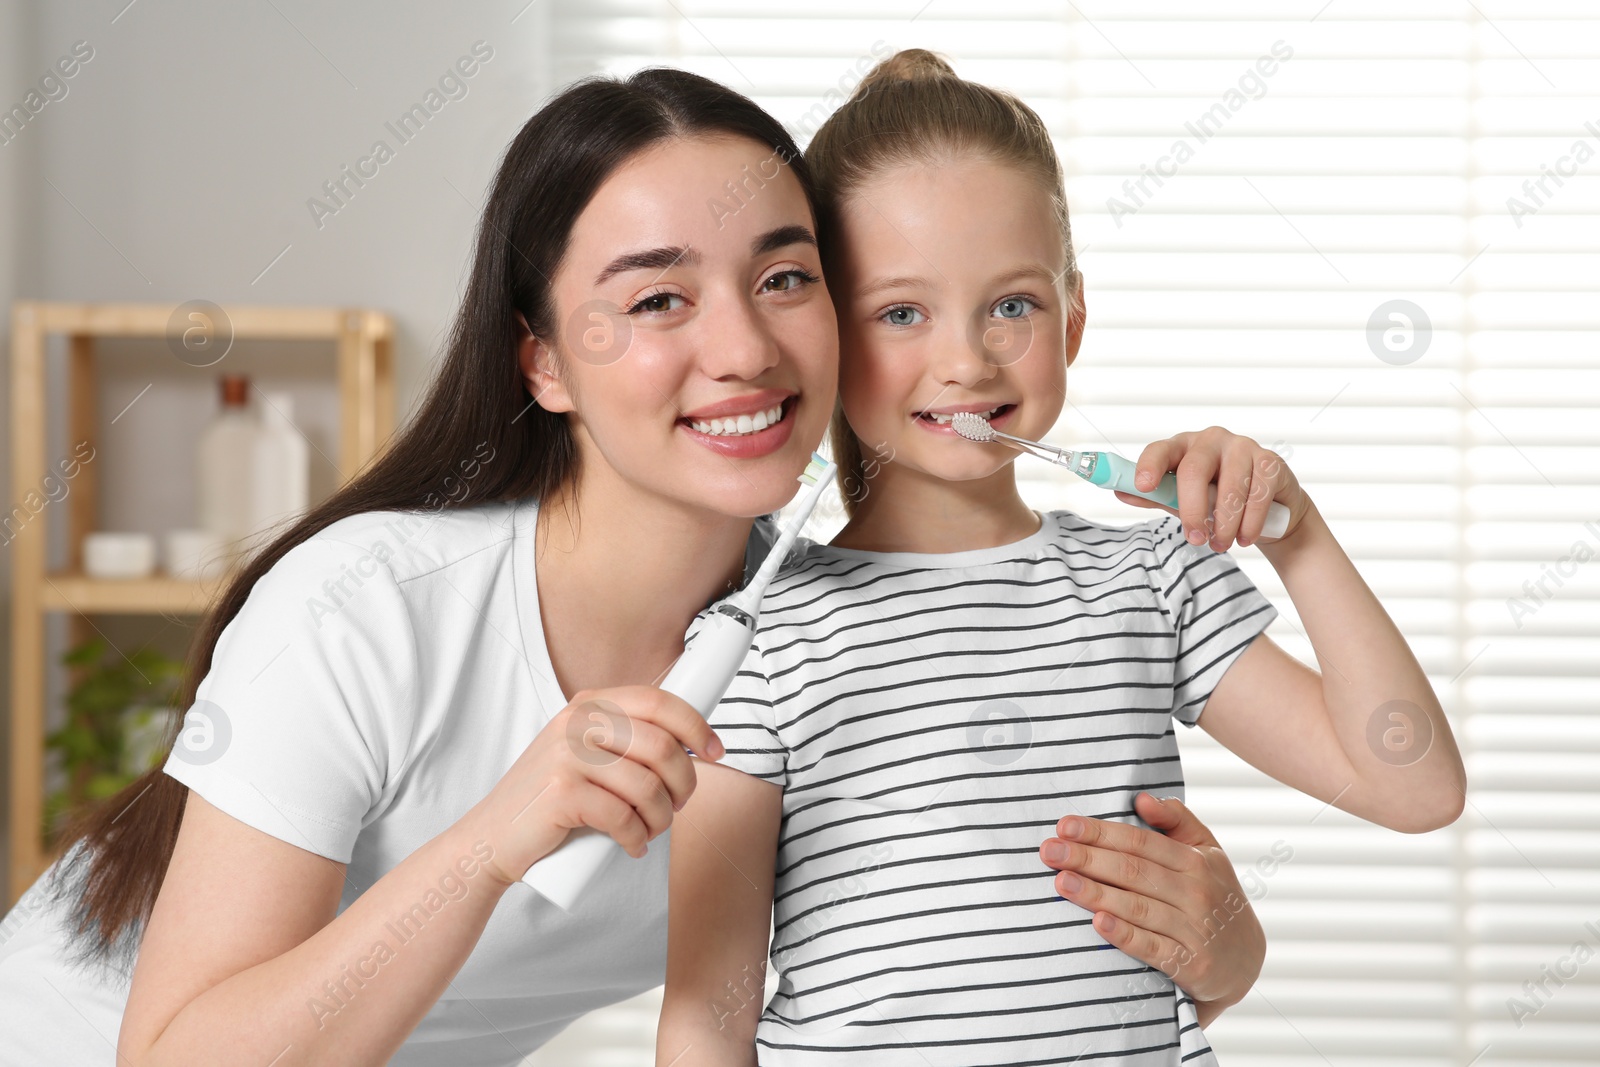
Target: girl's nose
x=960, y=358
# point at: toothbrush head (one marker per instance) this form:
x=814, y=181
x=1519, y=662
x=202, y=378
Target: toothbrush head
x=972, y=426
x=815, y=477
x=815, y=469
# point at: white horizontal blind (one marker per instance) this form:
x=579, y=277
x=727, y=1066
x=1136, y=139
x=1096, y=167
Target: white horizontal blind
x=1253, y=286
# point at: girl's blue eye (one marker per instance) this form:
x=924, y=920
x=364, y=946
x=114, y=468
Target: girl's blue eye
x=655, y=302
x=1014, y=307
x=903, y=316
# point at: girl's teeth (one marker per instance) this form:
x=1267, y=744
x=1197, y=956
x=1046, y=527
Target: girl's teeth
x=944, y=420
x=740, y=424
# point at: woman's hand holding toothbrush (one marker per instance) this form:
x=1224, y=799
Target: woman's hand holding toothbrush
x=612, y=759
x=1248, y=478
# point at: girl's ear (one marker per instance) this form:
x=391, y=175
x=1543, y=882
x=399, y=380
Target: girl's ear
x=1075, y=321
x=539, y=369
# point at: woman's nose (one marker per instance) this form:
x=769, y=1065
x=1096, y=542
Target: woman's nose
x=737, y=342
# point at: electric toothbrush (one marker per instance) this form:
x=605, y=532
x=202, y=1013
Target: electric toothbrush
x=1105, y=469
x=700, y=676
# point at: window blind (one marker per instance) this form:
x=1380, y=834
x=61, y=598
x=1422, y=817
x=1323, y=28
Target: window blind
x=1365, y=234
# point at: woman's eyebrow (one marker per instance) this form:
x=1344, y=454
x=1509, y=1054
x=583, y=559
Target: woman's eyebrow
x=669, y=256
x=782, y=236
x=648, y=259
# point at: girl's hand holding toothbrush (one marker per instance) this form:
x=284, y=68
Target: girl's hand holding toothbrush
x=1248, y=478
x=1323, y=730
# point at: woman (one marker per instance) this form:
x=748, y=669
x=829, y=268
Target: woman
x=325, y=869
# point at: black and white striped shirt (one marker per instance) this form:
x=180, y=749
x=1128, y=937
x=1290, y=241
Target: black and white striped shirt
x=930, y=718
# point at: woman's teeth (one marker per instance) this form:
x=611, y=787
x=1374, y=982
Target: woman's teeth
x=944, y=420
x=739, y=425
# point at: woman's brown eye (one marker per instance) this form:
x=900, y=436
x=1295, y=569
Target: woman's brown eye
x=656, y=303
x=791, y=279
x=659, y=302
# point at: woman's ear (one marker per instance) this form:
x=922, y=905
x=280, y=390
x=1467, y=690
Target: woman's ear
x=1075, y=321
x=540, y=370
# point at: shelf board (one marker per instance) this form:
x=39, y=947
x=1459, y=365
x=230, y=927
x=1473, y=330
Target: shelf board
x=248, y=323
x=74, y=591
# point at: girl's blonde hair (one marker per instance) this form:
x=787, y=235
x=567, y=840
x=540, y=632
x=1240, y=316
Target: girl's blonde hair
x=912, y=108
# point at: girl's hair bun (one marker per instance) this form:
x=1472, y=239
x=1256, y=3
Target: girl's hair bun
x=906, y=65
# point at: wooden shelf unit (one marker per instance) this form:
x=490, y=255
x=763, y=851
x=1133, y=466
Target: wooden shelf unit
x=363, y=340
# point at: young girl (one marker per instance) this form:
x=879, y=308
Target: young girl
x=930, y=689
x=347, y=781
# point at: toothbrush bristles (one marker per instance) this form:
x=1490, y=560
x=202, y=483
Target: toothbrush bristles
x=972, y=426
x=814, y=469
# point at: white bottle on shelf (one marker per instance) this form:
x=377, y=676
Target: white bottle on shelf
x=281, y=472
x=225, y=464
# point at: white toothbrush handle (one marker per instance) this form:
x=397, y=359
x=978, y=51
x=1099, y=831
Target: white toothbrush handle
x=701, y=676
x=1277, y=515
x=1277, y=523
x=562, y=876
x=1118, y=474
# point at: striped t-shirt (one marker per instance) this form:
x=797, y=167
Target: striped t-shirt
x=930, y=717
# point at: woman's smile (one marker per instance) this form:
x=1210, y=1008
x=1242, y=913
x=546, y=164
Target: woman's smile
x=743, y=429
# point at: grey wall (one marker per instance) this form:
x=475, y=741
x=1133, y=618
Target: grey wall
x=179, y=165
x=17, y=166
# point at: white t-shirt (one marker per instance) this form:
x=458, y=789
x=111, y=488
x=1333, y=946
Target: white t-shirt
x=930, y=717
x=377, y=683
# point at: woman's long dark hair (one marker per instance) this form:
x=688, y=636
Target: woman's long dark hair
x=116, y=853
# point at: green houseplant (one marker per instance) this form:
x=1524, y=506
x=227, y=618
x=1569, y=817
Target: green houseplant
x=118, y=710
